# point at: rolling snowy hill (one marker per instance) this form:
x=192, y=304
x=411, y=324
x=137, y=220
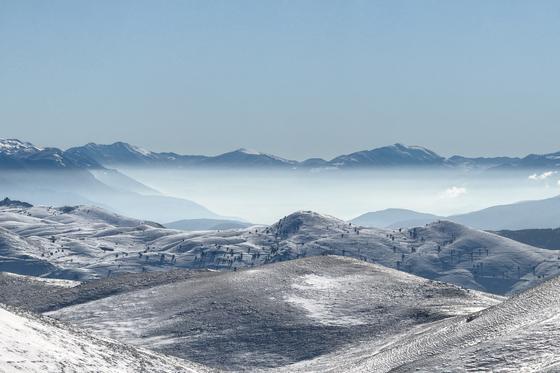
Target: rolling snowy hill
x=87, y=242
x=521, y=334
x=280, y=302
x=274, y=315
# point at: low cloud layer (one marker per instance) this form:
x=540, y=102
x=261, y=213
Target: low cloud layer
x=454, y=192
x=543, y=176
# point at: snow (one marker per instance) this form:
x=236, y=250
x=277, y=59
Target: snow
x=248, y=151
x=141, y=151
x=35, y=344
x=522, y=334
x=15, y=147
x=320, y=308
x=318, y=313
x=276, y=314
x=87, y=242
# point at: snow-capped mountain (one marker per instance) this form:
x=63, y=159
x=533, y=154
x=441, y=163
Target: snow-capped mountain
x=390, y=156
x=18, y=154
x=121, y=153
x=247, y=158
x=15, y=154
x=17, y=149
x=51, y=176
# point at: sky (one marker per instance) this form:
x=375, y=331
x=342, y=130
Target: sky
x=296, y=78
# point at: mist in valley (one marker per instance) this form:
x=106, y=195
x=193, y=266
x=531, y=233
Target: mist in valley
x=263, y=196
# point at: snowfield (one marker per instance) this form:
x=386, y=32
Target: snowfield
x=79, y=243
x=37, y=344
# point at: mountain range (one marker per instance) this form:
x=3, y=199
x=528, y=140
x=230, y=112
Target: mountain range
x=15, y=154
x=54, y=177
x=397, y=155
x=544, y=213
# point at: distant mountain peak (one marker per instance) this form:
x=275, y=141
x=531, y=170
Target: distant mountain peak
x=247, y=151
x=405, y=148
x=392, y=155
x=17, y=147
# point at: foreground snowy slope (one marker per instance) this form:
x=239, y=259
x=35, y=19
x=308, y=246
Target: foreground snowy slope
x=275, y=314
x=37, y=344
x=87, y=242
x=522, y=334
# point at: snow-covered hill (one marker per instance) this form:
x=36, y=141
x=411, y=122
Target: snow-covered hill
x=521, y=334
x=86, y=242
x=30, y=343
x=277, y=314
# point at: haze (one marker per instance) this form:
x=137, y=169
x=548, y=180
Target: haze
x=265, y=196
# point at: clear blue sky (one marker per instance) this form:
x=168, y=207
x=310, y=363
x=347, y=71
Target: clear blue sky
x=296, y=78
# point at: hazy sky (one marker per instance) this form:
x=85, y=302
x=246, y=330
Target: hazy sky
x=296, y=78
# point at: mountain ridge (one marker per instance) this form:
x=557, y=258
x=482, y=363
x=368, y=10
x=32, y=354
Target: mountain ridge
x=18, y=154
